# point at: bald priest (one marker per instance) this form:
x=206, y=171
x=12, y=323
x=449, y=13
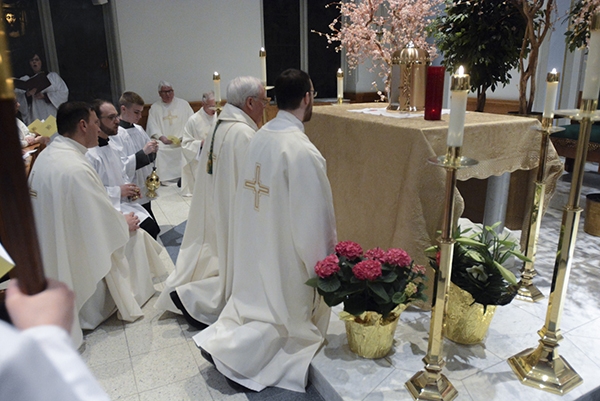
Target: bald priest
x=86, y=243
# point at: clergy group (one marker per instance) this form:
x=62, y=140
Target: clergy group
x=261, y=216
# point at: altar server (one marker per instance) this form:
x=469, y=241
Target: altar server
x=166, y=121
x=195, y=132
x=201, y=281
x=85, y=243
x=273, y=324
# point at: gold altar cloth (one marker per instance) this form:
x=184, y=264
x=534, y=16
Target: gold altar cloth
x=386, y=194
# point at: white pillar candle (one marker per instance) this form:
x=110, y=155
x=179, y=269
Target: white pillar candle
x=217, y=84
x=591, y=83
x=459, y=88
x=551, y=91
x=340, y=83
x=262, y=54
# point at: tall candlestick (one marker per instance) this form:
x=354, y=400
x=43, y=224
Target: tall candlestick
x=591, y=83
x=217, y=83
x=340, y=85
x=262, y=54
x=459, y=88
x=434, y=93
x=551, y=91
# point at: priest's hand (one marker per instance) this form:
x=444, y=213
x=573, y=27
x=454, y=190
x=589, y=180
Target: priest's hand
x=130, y=191
x=53, y=306
x=151, y=147
x=165, y=140
x=132, y=221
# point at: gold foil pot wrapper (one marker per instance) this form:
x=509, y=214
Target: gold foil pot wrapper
x=152, y=183
x=465, y=322
x=369, y=335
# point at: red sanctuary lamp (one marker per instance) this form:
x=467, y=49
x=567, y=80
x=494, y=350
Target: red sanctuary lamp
x=434, y=93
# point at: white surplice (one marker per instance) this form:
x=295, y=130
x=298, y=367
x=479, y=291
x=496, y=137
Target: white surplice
x=23, y=133
x=40, y=364
x=57, y=94
x=168, y=120
x=196, y=130
x=107, y=161
x=85, y=242
x=273, y=324
x=129, y=141
x=201, y=275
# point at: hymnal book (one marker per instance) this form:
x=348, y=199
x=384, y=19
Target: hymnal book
x=39, y=81
x=44, y=128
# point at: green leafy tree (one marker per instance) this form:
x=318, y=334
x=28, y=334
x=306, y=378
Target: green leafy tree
x=484, y=36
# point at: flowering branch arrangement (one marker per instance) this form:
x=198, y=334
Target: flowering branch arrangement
x=578, y=34
x=374, y=29
x=375, y=280
x=478, y=265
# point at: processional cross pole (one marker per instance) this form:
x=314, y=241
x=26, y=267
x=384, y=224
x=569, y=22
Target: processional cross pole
x=17, y=226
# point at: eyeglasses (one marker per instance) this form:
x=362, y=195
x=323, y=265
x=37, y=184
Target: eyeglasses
x=111, y=117
x=314, y=94
x=166, y=92
x=264, y=101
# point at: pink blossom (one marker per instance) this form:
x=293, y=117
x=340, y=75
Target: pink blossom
x=397, y=256
x=418, y=269
x=367, y=270
x=328, y=266
x=349, y=249
x=375, y=254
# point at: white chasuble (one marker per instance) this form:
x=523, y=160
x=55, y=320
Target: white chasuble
x=168, y=120
x=83, y=239
x=128, y=142
x=201, y=275
x=273, y=324
x=195, y=132
x=57, y=93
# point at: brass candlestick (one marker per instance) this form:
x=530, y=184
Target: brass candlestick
x=430, y=383
x=527, y=290
x=543, y=367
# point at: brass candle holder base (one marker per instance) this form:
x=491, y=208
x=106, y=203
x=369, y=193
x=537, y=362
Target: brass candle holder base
x=430, y=384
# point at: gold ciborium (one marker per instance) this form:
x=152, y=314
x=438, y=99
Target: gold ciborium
x=152, y=183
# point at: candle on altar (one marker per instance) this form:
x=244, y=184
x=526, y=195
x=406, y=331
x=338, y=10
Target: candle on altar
x=340, y=84
x=434, y=92
x=459, y=88
x=551, y=90
x=262, y=54
x=217, y=84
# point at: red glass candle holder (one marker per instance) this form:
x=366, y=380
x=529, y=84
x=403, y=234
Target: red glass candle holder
x=434, y=93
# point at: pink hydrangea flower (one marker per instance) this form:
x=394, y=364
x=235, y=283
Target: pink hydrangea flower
x=328, y=266
x=375, y=254
x=397, y=256
x=367, y=270
x=418, y=269
x=349, y=249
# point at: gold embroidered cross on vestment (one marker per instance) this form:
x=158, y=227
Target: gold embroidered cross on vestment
x=256, y=187
x=170, y=118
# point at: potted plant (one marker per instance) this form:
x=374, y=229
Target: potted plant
x=375, y=287
x=374, y=29
x=484, y=37
x=580, y=17
x=479, y=282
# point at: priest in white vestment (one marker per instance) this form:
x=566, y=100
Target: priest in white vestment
x=202, y=278
x=284, y=223
x=37, y=358
x=107, y=159
x=140, y=151
x=41, y=104
x=85, y=242
x=166, y=122
x=195, y=132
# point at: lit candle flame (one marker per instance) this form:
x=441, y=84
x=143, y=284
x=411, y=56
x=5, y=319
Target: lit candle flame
x=461, y=71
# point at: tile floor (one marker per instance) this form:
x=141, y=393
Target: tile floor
x=155, y=358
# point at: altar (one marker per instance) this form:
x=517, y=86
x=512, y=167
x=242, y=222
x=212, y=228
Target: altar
x=386, y=194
